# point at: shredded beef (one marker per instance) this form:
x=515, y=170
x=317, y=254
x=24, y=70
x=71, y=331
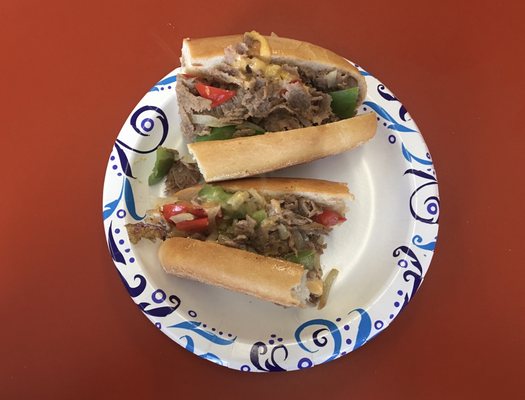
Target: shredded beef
x=189, y=103
x=319, y=78
x=231, y=112
x=280, y=120
x=273, y=103
x=141, y=230
x=291, y=202
x=152, y=227
x=301, y=205
x=287, y=229
x=227, y=241
x=308, y=207
x=291, y=218
x=245, y=227
x=181, y=176
x=297, y=96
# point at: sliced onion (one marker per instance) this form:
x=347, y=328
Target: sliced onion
x=327, y=285
x=238, y=199
x=298, y=239
x=182, y=217
x=317, y=262
x=331, y=78
x=208, y=120
x=276, y=205
x=213, y=212
x=283, y=232
x=257, y=197
x=153, y=216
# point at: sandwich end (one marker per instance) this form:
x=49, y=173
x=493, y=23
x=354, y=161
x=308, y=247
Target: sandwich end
x=301, y=292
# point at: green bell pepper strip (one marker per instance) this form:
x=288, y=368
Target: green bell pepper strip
x=163, y=162
x=222, y=133
x=214, y=193
x=344, y=102
x=226, y=132
x=304, y=257
x=259, y=215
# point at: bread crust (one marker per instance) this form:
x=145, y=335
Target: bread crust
x=252, y=155
x=203, y=53
x=332, y=194
x=263, y=277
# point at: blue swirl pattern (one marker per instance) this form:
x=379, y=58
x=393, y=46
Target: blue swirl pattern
x=110, y=207
x=211, y=337
x=113, y=248
x=387, y=95
x=430, y=213
x=166, y=81
x=410, y=157
x=394, y=125
x=320, y=341
x=160, y=311
x=130, y=200
x=418, y=241
x=124, y=163
x=134, y=291
x=411, y=274
x=270, y=364
x=143, y=124
x=419, y=173
x=364, y=328
x=190, y=346
x=126, y=192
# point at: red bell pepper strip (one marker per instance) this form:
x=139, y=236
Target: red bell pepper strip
x=195, y=225
x=169, y=210
x=329, y=218
x=216, y=95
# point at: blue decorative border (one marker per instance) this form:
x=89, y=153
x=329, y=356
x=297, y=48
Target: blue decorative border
x=317, y=340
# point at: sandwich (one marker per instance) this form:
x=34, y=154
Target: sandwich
x=260, y=236
x=251, y=104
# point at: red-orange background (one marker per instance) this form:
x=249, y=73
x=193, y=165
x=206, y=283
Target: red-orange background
x=70, y=75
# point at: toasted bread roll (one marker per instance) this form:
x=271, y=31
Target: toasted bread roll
x=254, y=104
x=267, y=278
x=274, y=256
x=247, y=156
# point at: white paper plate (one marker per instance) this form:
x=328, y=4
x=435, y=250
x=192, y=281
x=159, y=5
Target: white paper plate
x=383, y=251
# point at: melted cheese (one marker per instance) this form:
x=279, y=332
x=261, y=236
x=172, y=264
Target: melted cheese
x=264, y=50
x=261, y=64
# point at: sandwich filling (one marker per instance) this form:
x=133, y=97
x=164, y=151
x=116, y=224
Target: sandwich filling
x=249, y=93
x=287, y=227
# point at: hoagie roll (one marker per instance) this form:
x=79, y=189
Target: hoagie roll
x=251, y=104
x=261, y=236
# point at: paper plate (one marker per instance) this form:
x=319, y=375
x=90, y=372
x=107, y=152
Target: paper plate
x=382, y=252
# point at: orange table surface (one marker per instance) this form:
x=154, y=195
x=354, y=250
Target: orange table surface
x=71, y=74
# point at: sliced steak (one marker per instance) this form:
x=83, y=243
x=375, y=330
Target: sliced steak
x=274, y=100
x=142, y=230
x=181, y=176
